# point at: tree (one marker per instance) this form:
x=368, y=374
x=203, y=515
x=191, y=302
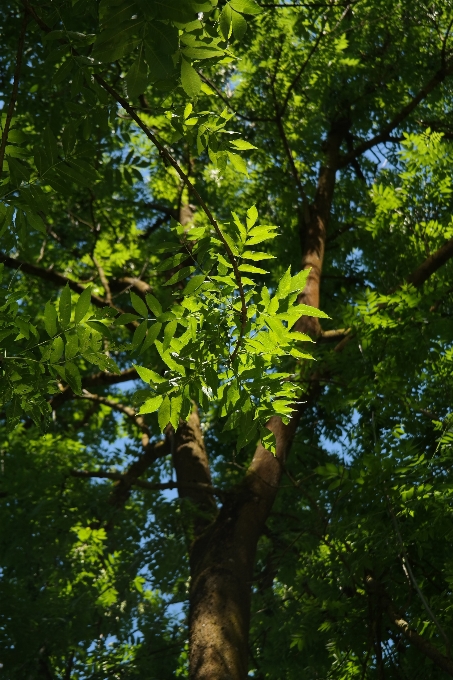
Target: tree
x=143, y=146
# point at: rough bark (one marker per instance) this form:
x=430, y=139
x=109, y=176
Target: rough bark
x=222, y=561
x=314, y=229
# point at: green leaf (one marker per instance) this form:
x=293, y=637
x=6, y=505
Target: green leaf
x=194, y=283
x=190, y=80
x=238, y=163
x=163, y=37
x=139, y=305
x=161, y=66
x=225, y=21
x=149, y=376
x=169, y=332
x=151, y=337
x=50, y=319
x=69, y=138
x=72, y=345
x=173, y=261
x=284, y=285
x=256, y=256
x=36, y=222
x=175, y=410
x=151, y=405
x=246, y=6
x=57, y=350
x=49, y=147
x=201, y=52
x=163, y=415
x=154, y=305
x=65, y=306
x=250, y=268
x=306, y=310
x=252, y=215
x=124, y=319
x=82, y=305
x=117, y=41
x=180, y=275
x=239, y=25
x=137, y=78
x=100, y=328
x=73, y=377
x=139, y=334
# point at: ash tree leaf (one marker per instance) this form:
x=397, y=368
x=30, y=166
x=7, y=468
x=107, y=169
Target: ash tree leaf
x=252, y=213
x=238, y=163
x=82, y=305
x=161, y=66
x=169, y=333
x=73, y=377
x=100, y=328
x=306, y=310
x=139, y=305
x=250, y=268
x=164, y=413
x=175, y=410
x=180, y=275
x=164, y=37
x=72, y=345
x=57, y=350
x=124, y=319
x=36, y=222
x=225, y=21
x=139, y=334
x=246, y=6
x=151, y=405
x=154, y=304
x=194, y=283
x=284, y=285
x=49, y=148
x=137, y=78
x=256, y=257
x=149, y=376
x=50, y=319
x=239, y=25
x=151, y=337
x=65, y=306
x=190, y=80
x=173, y=261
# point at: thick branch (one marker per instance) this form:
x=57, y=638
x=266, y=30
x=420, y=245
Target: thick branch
x=191, y=464
x=411, y=635
x=49, y=275
x=386, y=132
x=13, y=99
x=431, y=264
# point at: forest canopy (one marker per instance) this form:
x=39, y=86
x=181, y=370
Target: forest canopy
x=226, y=245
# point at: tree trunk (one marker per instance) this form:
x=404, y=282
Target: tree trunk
x=222, y=560
x=223, y=552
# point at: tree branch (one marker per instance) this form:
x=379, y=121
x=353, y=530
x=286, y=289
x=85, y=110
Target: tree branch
x=403, y=626
x=101, y=379
x=151, y=486
x=431, y=264
x=49, y=275
x=385, y=133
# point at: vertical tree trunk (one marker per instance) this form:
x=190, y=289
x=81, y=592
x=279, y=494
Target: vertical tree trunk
x=222, y=555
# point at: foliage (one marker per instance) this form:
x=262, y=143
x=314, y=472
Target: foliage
x=140, y=143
